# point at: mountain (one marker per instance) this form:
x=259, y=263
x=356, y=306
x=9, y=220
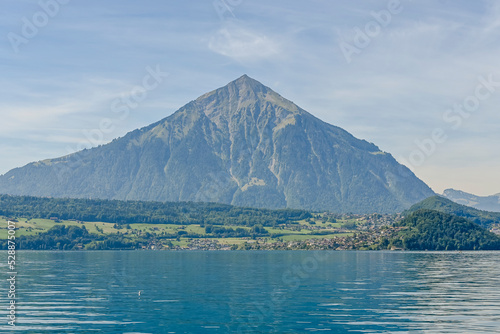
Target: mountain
x=441, y=204
x=487, y=203
x=434, y=230
x=242, y=144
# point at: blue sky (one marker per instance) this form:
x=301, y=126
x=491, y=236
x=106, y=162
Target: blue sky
x=420, y=79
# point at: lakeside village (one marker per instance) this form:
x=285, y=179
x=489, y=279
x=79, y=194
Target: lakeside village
x=362, y=232
x=323, y=231
x=358, y=241
x=320, y=231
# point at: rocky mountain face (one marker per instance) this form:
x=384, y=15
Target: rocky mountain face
x=487, y=203
x=242, y=144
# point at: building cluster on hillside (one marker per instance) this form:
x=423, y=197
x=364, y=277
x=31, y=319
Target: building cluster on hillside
x=360, y=240
x=374, y=221
x=207, y=244
x=495, y=229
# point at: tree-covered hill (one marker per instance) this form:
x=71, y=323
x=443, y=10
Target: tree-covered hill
x=441, y=204
x=434, y=230
x=129, y=212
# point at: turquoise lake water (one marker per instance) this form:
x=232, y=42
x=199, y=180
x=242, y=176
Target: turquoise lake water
x=254, y=292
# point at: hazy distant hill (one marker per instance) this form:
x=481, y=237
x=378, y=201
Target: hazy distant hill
x=442, y=204
x=242, y=144
x=488, y=203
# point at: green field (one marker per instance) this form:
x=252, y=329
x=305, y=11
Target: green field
x=298, y=231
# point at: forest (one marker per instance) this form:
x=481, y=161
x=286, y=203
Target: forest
x=129, y=212
x=439, y=203
x=433, y=230
x=61, y=237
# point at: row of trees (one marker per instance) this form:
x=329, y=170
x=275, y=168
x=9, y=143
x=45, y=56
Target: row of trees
x=128, y=212
x=61, y=237
x=228, y=232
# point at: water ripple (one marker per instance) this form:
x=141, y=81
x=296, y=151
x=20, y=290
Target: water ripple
x=198, y=292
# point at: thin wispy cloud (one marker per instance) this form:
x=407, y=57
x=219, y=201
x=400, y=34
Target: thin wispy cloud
x=243, y=45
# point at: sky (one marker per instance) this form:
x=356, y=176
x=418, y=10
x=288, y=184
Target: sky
x=420, y=79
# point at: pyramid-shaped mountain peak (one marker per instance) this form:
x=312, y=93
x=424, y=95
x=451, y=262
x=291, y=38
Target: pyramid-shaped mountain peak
x=241, y=144
x=243, y=94
x=246, y=82
x=242, y=88
x=245, y=78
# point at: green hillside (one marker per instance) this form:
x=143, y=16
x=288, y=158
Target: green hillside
x=434, y=230
x=75, y=224
x=441, y=204
x=131, y=212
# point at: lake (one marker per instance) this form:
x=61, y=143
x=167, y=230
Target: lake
x=254, y=292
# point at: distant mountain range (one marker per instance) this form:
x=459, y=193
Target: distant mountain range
x=242, y=144
x=488, y=203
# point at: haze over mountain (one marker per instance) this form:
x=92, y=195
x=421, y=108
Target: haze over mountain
x=487, y=203
x=242, y=144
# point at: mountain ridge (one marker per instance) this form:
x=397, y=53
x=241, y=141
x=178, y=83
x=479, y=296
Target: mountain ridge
x=242, y=144
x=487, y=203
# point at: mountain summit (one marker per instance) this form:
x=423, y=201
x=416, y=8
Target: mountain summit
x=241, y=144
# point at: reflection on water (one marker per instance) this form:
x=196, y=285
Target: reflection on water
x=255, y=292
x=424, y=293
